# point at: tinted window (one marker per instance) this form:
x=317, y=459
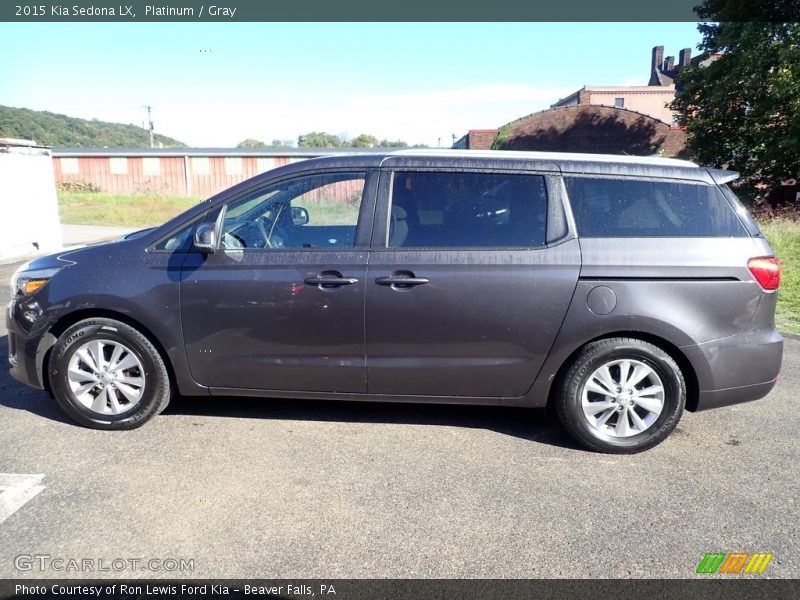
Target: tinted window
x=432, y=209
x=181, y=240
x=744, y=215
x=636, y=208
x=314, y=211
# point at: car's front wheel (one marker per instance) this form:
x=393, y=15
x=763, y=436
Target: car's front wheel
x=107, y=375
x=621, y=395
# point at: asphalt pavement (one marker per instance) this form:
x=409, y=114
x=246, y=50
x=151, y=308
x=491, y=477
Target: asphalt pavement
x=239, y=487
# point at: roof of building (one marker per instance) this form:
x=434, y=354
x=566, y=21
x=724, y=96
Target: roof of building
x=594, y=129
x=660, y=78
x=637, y=89
x=269, y=152
x=377, y=153
x=617, y=89
x=19, y=143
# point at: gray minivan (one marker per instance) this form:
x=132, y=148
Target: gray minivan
x=617, y=291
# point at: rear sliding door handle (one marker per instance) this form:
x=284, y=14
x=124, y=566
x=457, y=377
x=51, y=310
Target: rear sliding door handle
x=402, y=282
x=330, y=281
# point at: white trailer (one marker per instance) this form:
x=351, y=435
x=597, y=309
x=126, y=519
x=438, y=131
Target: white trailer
x=29, y=222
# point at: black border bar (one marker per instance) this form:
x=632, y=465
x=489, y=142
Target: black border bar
x=345, y=10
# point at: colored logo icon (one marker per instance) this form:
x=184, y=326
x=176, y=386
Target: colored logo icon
x=734, y=563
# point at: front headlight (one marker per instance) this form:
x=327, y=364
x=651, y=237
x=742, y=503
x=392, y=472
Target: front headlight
x=25, y=283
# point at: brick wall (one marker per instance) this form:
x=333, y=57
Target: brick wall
x=481, y=139
x=594, y=129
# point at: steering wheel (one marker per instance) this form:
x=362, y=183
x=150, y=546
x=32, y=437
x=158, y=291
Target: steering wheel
x=273, y=238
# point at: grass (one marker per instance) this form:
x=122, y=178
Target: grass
x=137, y=210
x=784, y=237
x=143, y=210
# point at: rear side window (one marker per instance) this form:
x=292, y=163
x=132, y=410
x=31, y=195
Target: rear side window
x=639, y=208
x=744, y=216
x=458, y=210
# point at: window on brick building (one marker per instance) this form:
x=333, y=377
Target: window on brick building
x=118, y=165
x=619, y=102
x=151, y=166
x=69, y=166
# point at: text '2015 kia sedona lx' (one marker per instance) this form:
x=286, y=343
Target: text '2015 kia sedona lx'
x=617, y=290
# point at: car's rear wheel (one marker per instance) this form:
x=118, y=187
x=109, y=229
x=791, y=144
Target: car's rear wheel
x=106, y=375
x=621, y=395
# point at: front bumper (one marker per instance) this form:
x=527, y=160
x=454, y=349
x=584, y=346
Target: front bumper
x=28, y=344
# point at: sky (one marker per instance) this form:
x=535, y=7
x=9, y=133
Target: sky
x=218, y=84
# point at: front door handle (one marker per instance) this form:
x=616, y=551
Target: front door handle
x=401, y=281
x=330, y=281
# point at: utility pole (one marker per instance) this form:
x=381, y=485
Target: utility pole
x=150, y=124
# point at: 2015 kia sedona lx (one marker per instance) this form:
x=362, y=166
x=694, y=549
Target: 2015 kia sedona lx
x=617, y=290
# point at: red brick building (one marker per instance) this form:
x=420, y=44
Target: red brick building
x=609, y=119
x=476, y=139
x=594, y=129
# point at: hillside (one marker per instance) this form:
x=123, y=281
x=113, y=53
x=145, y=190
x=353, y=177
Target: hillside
x=50, y=129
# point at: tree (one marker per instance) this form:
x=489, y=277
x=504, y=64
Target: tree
x=364, y=141
x=251, y=143
x=742, y=111
x=392, y=144
x=319, y=139
x=53, y=129
x=282, y=143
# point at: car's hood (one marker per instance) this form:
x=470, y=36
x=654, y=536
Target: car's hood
x=69, y=256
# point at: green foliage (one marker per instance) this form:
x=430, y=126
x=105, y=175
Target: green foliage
x=742, y=111
x=319, y=139
x=276, y=143
x=396, y=144
x=326, y=140
x=364, y=141
x=783, y=234
x=50, y=129
x=134, y=210
x=76, y=186
x=501, y=137
x=251, y=143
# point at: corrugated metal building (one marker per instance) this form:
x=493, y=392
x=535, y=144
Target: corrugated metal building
x=187, y=172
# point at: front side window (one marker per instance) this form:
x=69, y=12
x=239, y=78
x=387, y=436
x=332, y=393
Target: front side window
x=606, y=207
x=180, y=241
x=463, y=210
x=314, y=211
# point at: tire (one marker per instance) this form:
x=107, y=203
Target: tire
x=605, y=416
x=125, y=389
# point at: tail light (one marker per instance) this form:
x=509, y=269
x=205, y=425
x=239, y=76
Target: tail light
x=767, y=271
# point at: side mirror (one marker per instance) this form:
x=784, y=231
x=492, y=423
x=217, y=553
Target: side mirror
x=299, y=215
x=205, y=238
